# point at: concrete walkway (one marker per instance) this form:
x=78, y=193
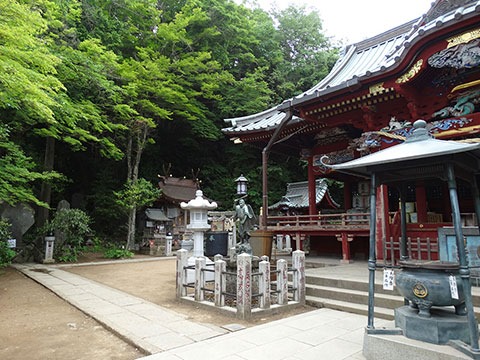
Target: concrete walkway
x=322, y=333
x=145, y=325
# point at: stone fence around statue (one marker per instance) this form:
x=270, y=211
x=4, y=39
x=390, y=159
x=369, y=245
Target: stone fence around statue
x=245, y=287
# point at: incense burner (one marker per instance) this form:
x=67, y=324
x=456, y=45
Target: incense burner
x=428, y=283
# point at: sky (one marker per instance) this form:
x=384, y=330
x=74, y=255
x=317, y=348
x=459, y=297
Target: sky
x=356, y=20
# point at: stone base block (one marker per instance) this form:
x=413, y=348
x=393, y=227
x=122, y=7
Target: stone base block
x=444, y=325
x=398, y=347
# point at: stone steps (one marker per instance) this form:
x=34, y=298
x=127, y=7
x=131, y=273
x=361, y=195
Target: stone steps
x=380, y=313
x=352, y=296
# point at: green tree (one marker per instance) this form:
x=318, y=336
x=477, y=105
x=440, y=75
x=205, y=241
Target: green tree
x=39, y=64
x=6, y=254
x=308, y=54
x=28, y=94
x=134, y=195
x=17, y=173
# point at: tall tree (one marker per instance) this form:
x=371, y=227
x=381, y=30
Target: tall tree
x=29, y=90
x=308, y=54
x=166, y=82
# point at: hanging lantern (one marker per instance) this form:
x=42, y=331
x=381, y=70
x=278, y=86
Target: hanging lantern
x=241, y=185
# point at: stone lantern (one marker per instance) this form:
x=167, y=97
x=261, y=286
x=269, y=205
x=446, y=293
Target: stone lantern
x=49, y=243
x=198, y=209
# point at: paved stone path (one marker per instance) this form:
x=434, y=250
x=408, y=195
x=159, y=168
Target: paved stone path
x=147, y=326
x=167, y=335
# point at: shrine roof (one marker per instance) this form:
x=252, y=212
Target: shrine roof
x=156, y=214
x=177, y=189
x=264, y=120
x=297, y=195
x=361, y=61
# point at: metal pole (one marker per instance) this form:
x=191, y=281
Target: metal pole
x=264, y=189
x=265, y=152
x=372, y=256
x=403, y=224
x=464, y=270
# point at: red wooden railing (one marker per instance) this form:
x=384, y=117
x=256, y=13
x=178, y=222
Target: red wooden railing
x=325, y=221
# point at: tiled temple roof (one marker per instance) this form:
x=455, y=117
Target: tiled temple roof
x=360, y=61
x=297, y=195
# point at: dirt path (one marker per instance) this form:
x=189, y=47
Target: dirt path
x=36, y=324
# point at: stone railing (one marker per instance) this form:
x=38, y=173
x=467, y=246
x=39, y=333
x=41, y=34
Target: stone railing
x=244, y=286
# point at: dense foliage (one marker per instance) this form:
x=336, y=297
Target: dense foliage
x=71, y=228
x=6, y=254
x=96, y=95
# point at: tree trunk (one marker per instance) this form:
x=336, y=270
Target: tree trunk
x=46, y=189
x=133, y=168
x=132, y=217
x=42, y=213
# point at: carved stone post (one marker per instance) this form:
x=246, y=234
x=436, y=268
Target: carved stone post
x=220, y=283
x=244, y=288
x=182, y=261
x=199, y=278
x=298, y=265
x=282, y=282
x=168, y=245
x=264, y=283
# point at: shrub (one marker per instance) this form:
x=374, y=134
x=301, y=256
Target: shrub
x=117, y=254
x=71, y=227
x=6, y=254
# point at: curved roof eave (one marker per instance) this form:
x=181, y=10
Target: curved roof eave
x=265, y=120
x=359, y=63
x=394, y=50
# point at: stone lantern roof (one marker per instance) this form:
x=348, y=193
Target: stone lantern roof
x=199, y=203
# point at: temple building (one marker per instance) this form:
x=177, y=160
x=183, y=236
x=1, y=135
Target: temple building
x=425, y=69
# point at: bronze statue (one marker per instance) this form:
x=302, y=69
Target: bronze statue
x=246, y=219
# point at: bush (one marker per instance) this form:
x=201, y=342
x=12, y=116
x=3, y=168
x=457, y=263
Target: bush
x=6, y=254
x=117, y=254
x=71, y=227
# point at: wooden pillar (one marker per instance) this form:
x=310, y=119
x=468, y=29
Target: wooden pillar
x=421, y=198
x=298, y=242
x=345, y=239
x=312, y=191
x=382, y=219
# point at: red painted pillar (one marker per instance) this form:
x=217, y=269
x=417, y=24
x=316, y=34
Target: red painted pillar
x=345, y=239
x=382, y=220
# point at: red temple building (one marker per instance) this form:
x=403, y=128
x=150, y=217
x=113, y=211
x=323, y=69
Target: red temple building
x=428, y=68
